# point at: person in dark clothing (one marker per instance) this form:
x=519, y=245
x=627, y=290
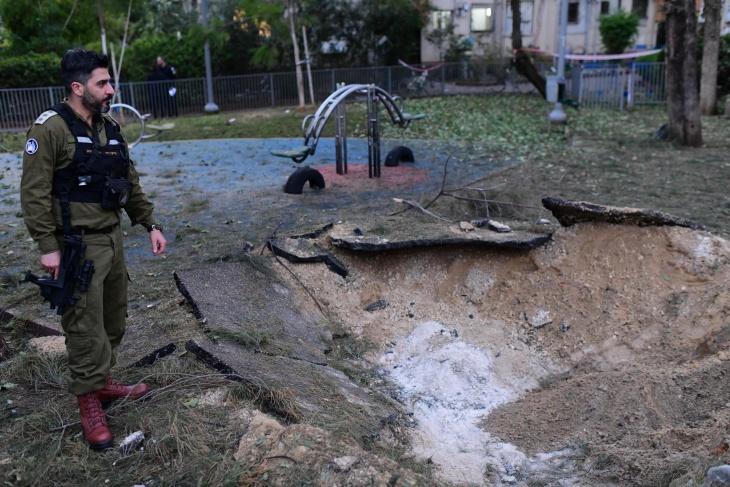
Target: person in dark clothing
x=157, y=91
x=171, y=75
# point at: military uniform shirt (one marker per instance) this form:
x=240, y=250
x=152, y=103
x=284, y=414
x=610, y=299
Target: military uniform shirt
x=50, y=146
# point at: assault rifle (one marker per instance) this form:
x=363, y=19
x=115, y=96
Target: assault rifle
x=60, y=292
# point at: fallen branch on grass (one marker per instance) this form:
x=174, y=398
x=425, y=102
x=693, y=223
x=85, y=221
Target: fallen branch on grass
x=416, y=205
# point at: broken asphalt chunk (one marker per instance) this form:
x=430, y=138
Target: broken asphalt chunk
x=247, y=304
x=302, y=250
x=571, y=212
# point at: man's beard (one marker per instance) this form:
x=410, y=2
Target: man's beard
x=94, y=105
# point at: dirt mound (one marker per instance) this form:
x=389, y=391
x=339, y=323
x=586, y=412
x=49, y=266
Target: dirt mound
x=606, y=347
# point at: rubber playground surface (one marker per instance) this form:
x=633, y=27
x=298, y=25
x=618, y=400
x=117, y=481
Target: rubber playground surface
x=246, y=164
x=236, y=185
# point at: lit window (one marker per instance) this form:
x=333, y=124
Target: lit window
x=441, y=19
x=482, y=18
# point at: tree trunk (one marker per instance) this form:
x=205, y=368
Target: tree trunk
x=682, y=93
x=710, y=56
x=523, y=63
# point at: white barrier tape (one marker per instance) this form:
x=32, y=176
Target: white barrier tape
x=599, y=57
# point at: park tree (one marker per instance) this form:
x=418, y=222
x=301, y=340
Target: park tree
x=712, y=14
x=682, y=90
x=523, y=63
x=373, y=31
x=53, y=26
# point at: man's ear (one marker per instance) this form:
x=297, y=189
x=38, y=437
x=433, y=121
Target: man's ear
x=77, y=88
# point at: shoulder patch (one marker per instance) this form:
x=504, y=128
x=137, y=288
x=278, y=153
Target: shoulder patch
x=45, y=116
x=31, y=146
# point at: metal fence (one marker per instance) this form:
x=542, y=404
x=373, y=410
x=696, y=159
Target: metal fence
x=618, y=86
x=592, y=86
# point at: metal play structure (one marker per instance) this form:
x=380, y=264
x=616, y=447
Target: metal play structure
x=312, y=125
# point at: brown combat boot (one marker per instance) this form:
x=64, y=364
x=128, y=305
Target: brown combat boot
x=93, y=422
x=116, y=390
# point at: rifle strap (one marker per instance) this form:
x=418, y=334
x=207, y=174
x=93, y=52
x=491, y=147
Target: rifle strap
x=64, y=199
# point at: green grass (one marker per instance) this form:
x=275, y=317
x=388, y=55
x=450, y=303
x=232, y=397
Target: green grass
x=497, y=121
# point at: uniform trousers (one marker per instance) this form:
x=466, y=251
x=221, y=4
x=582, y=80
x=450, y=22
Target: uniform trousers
x=95, y=324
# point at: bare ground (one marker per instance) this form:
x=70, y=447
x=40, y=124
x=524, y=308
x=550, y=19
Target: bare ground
x=598, y=359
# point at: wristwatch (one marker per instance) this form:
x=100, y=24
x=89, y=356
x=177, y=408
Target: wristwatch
x=154, y=227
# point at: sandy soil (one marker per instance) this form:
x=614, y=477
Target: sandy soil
x=599, y=357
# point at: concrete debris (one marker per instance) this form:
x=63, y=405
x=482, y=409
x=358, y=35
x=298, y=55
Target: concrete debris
x=498, y=227
x=343, y=464
x=718, y=476
x=466, y=227
x=299, y=250
x=571, y=212
x=52, y=347
x=540, y=319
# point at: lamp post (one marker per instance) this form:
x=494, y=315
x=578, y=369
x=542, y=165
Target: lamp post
x=210, y=106
x=558, y=115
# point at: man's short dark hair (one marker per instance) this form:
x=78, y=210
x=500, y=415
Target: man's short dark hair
x=77, y=65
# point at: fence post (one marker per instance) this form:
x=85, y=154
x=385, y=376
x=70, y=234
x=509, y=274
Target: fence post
x=271, y=83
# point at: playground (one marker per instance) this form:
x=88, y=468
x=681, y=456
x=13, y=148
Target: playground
x=596, y=359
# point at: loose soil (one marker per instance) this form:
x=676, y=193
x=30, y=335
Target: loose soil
x=599, y=359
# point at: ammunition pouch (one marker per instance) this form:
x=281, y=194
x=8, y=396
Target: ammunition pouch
x=116, y=193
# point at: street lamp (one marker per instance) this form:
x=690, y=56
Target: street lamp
x=210, y=107
x=558, y=115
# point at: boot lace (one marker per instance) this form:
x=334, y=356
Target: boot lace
x=94, y=411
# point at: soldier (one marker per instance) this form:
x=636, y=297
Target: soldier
x=77, y=177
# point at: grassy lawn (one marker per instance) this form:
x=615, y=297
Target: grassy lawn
x=516, y=121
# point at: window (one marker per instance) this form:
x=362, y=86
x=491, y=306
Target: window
x=573, y=12
x=640, y=8
x=440, y=19
x=526, y=8
x=482, y=18
x=605, y=8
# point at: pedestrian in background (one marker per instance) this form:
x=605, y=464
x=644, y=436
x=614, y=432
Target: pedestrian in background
x=157, y=91
x=171, y=75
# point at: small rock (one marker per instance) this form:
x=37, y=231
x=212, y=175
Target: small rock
x=343, y=464
x=718, y=476
x=380, y=304
x=466, y=227
x=540, y=320
x=544, y=221
x=498, y=227
x=50, y=347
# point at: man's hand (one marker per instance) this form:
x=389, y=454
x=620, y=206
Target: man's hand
x=159, y=244
x=51, y=263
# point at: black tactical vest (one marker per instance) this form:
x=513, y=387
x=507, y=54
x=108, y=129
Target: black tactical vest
x=93, y=164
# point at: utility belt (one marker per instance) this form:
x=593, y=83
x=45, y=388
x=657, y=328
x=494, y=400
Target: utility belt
x=89, y=231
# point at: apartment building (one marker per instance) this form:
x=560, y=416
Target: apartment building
x=487, y=25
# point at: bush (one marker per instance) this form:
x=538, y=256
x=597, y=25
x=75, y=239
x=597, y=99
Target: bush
x=31, y=70
x=618, y=31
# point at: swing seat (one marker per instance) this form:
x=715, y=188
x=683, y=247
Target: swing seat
x=297, y=154
x=411, y=116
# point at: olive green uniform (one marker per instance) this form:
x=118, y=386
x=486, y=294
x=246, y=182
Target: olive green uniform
x=95, y=324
